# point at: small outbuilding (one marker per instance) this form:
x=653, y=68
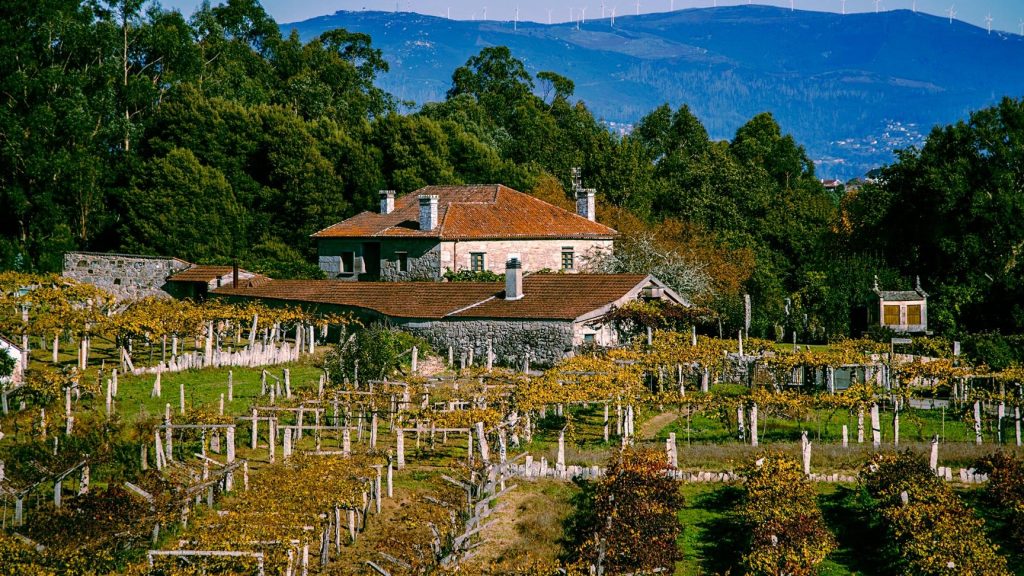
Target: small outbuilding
x=902, y=311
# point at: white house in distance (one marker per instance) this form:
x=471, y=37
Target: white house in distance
x=421, y=235
x=902, y=311
x=14, y=351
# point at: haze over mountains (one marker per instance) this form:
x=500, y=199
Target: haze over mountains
x=850, y=88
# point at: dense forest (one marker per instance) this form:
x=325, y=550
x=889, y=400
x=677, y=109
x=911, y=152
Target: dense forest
x=216, y=139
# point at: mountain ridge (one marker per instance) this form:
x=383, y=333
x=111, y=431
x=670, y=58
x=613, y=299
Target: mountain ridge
x=851, y=88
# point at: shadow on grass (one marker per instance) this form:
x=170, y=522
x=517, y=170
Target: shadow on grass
x=723, y=537
x=862, y=546
x=999, y=526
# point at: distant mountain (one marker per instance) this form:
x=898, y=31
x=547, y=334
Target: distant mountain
x=850, y=88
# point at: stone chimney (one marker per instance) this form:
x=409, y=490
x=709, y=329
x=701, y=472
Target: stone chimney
x=387, y=201
x=428, y=212
x=513, y=278
x=585, y=203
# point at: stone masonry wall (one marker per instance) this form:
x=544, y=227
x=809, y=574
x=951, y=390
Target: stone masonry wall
x=546, y=341
x=423, y=258
x=126, y=276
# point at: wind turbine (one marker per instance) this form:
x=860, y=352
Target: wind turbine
x=583, y=15
x=988, y=22
x=637, y=7
x=914, y=6
x=449, y=12
x=844, y=7
x=602, y=10
x=485, y=12
x=791, y=6
x=877, y=2
x=671, y=5
x=1021, y=23
x=952, y=13
x=549, y=16
x=613, y=16
x=515, y=26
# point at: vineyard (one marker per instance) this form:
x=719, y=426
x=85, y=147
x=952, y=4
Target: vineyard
x=170, y=437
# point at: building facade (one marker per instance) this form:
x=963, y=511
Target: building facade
x=477, y=228
x=902, y=311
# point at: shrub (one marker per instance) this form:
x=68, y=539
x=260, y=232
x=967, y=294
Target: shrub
x=931, y=530
x=375, y=352
x=788, y=535
x=471, y=276
x=1005, y=490
x=633, y=515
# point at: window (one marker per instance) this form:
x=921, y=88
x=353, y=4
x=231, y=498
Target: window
x=403, y=261
x=348, y=260
x=892, y=315
x=914, y=314
x=588, y=338
x=568, y=259
x=476, y=261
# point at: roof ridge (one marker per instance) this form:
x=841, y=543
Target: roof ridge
x=471, y=306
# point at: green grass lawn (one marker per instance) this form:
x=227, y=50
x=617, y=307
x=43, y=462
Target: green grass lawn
x=204, y=387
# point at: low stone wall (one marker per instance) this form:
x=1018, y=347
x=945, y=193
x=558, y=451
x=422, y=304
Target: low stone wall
x=126, y=276
x=544, y=341
x=542, y=469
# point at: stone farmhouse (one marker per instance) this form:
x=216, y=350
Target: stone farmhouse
x=540, y=318
x=421, y=235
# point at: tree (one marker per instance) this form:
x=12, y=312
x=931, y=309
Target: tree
x=179, y=206
x=6, y=364
x=555, y=86
x=493, y=76
x=950, y=212
x=641, y=254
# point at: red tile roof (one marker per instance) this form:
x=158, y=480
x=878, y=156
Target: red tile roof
x=202, y=273
x=207, y=273
x=546, y=296
x=471, y=212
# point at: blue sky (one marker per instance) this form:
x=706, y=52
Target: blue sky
x=1006, y=14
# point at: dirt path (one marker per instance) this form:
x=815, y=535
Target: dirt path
x=649, y=430
x=529, y=529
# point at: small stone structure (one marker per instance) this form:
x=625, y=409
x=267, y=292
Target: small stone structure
x=902, y=311
x=126, y=276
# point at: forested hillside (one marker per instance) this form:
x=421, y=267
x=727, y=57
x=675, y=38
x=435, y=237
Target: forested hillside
x=216, y=139
x=850, y=88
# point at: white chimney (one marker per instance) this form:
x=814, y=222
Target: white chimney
x=585, y=204
x=513, y=278
x=428, y=212
x=387, y=201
